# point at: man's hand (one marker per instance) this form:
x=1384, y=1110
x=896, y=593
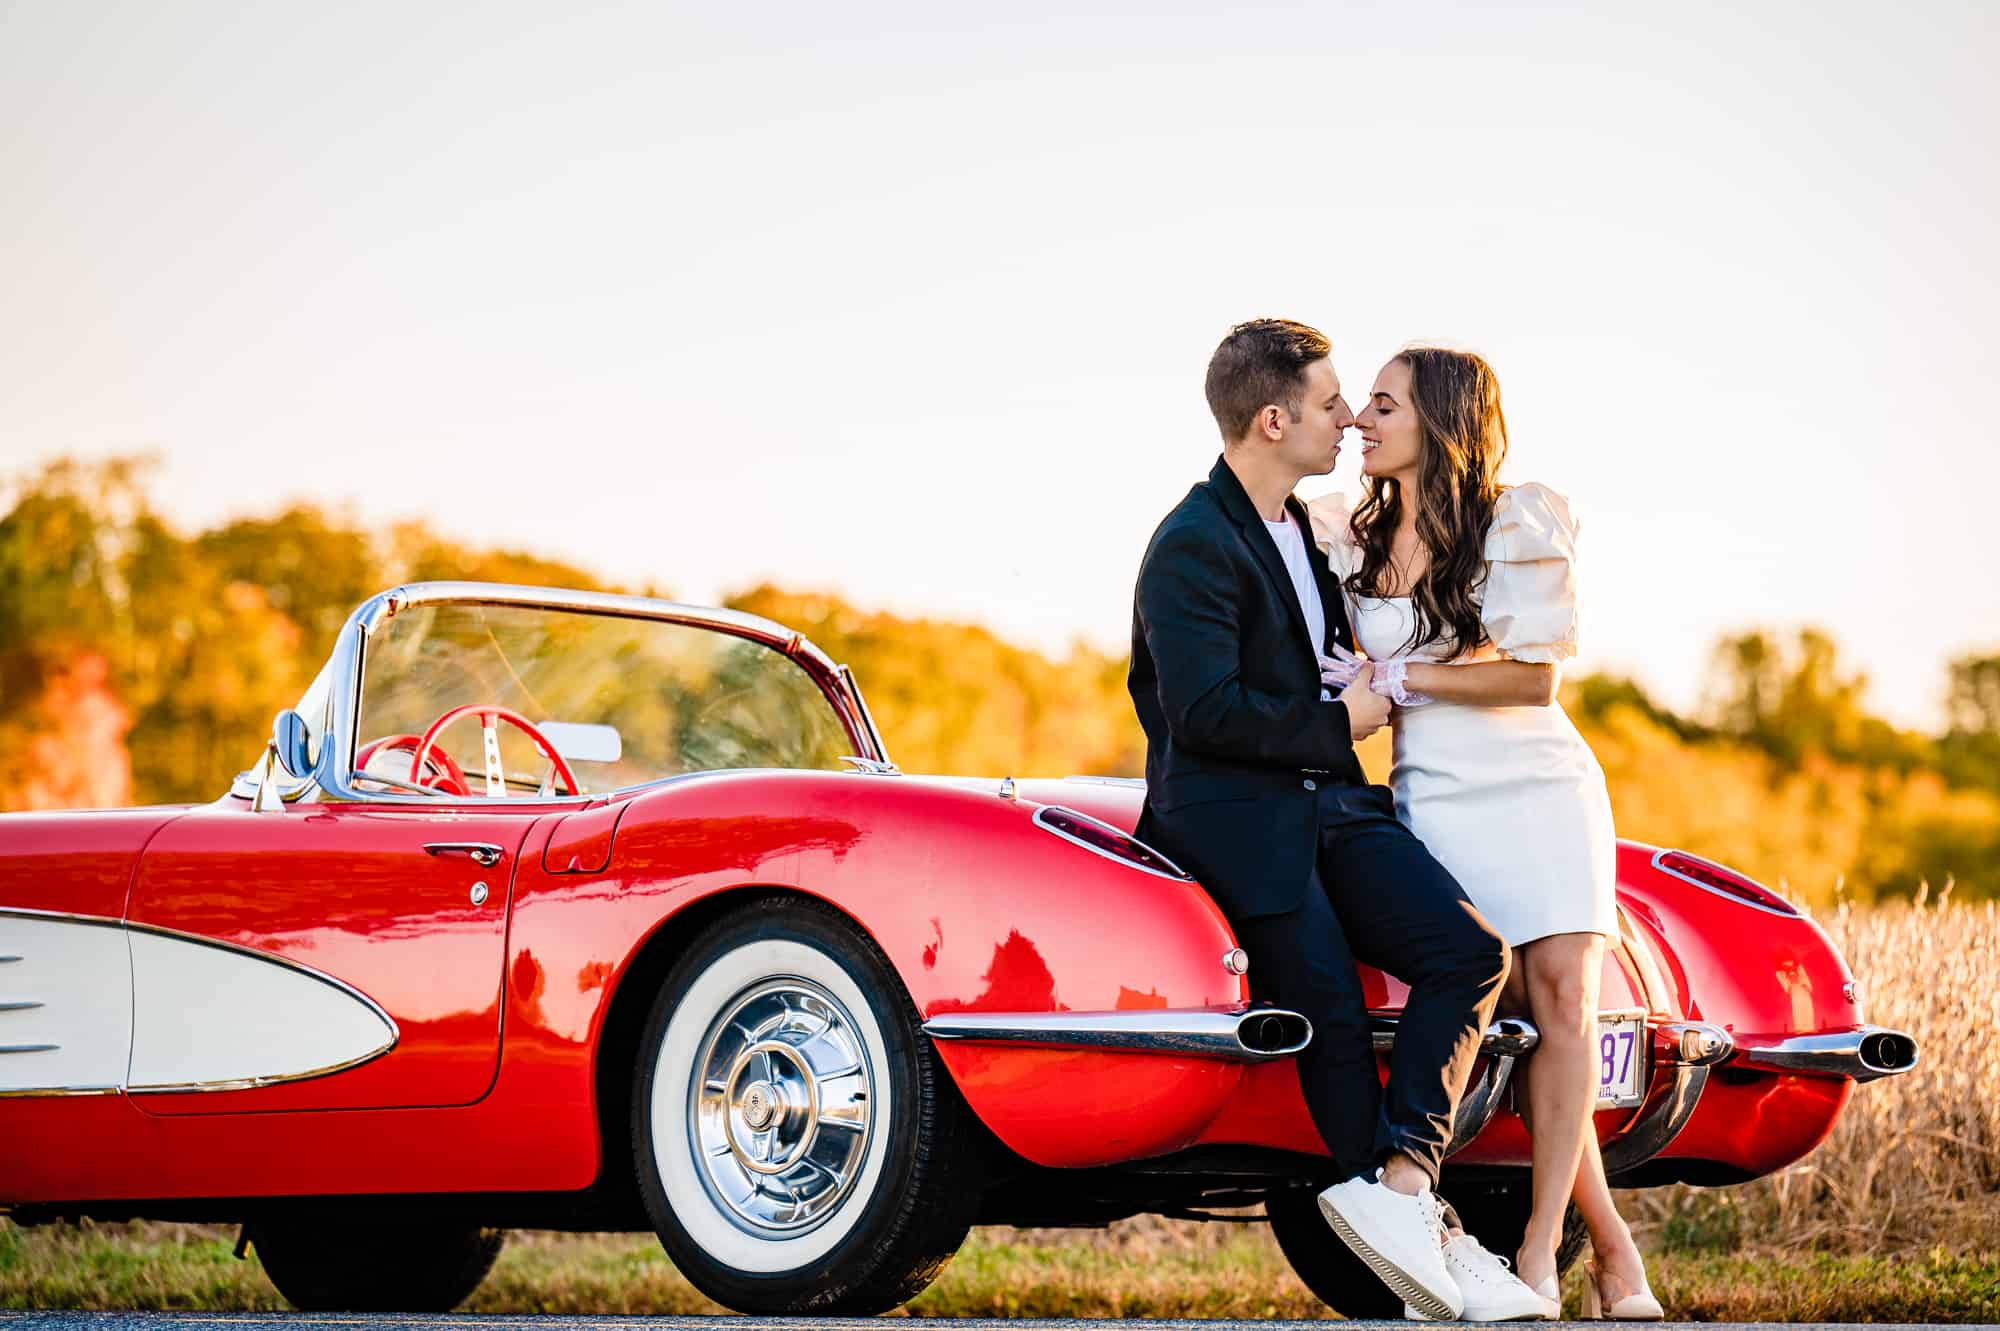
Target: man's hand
x=1367, y=710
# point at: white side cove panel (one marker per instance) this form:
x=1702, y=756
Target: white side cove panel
x=209, y=1017
x=65, y=1006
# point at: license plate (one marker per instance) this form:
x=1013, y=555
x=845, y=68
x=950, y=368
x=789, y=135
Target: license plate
x=1621, y=1062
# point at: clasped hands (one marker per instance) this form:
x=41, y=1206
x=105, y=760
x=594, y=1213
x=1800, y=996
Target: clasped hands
x=1390, y=677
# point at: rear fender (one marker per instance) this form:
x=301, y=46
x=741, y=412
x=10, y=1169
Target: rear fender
x=977, y=908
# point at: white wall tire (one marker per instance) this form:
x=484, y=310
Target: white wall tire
x=794, y=1133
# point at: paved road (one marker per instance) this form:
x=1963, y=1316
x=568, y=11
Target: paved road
x=73, y=1321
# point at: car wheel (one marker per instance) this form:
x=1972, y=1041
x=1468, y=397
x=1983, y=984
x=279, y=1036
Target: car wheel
x=374, y=1266
x=799, y=1145
x=1496, y=1214
x=1327, y=1265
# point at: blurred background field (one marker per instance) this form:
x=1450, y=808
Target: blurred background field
x=1895, y=1218
x=141, y=663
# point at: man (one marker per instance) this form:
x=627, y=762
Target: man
x=1253, y=785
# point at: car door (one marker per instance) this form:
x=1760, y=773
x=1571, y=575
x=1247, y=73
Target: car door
x=321, y=956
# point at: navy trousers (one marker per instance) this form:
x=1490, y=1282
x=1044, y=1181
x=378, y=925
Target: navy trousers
x=1380, y=898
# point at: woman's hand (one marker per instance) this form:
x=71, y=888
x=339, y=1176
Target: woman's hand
x=1338, y=670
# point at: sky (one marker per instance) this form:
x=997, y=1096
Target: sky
x=912, y=303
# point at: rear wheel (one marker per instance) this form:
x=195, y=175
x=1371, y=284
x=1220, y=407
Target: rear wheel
x=374, y=1266
x=1494, y=1213
x=800, y=1148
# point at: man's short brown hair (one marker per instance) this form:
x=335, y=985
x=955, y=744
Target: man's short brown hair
x=1261, y=363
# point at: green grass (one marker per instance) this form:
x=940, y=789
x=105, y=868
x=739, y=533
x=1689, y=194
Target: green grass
x=1224, y=1272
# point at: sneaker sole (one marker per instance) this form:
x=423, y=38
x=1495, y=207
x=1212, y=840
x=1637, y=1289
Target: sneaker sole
x=1410, y=1314
x=1395, y=1277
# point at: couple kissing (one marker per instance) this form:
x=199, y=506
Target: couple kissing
x=1268, y=637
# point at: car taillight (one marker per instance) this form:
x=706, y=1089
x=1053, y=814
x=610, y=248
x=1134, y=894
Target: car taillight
x=1714, y=877
x=1104, y=839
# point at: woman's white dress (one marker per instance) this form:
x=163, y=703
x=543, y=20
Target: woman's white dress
x=1509, y=799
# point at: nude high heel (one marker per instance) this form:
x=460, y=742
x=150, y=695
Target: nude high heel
x=1552, y=1298
x=1639, y=1306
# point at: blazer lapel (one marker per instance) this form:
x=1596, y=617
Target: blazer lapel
x=1331, y=597
x=1236, y=503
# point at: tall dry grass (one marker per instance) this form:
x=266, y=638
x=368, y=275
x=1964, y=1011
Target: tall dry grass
x=1914, y=1162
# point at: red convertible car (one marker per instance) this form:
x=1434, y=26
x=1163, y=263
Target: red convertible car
x=562, y=910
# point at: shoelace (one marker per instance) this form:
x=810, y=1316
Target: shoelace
x=1478, y=1249
x=1433, y=1213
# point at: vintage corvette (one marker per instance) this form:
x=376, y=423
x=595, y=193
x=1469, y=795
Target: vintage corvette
x=596, y=912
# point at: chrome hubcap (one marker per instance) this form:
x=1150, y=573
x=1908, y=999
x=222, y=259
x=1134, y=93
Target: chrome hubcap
x=780, y=1113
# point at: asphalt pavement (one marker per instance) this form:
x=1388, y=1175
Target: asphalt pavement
x=124, y=1321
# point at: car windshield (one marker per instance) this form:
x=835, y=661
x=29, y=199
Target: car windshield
x=624, y=700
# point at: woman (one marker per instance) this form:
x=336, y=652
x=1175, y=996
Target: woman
x=1464, y=595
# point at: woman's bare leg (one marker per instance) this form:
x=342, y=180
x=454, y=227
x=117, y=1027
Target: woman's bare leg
x=1621, y=1268
x=1562, y=973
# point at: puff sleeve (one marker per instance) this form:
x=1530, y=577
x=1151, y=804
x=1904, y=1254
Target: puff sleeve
x=1529, y=608
x=1329, y=515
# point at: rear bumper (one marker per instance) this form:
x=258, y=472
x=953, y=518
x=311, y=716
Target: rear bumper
x=1862, y=1054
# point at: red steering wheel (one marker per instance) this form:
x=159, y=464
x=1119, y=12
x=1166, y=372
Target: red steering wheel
x=449, y=777
x=496, y=779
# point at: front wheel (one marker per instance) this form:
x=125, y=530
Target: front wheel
x=800, y=1148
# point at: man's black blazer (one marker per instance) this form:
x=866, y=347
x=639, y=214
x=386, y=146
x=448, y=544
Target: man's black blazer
x=1225, y=678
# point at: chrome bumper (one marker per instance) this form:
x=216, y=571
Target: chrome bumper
x=1252, y=1034
x=1507, y=1039
x=1863, y=1054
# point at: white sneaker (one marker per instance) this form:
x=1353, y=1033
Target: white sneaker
x=1493, y=1293
x=1400, y=1237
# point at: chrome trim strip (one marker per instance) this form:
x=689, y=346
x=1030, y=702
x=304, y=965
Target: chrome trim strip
x=1122, y=782
x=1655, y=1128
x=254, y=1083
x=1509, y=1037
x=60, y=1090
x=1826, y=1054
x=1179, y=875
x=1202, y=1032
x=395, y=1031
x=19, y=1004
x=29, y=1048
x=329, y=778
x=31, y=913
x=1659, y=855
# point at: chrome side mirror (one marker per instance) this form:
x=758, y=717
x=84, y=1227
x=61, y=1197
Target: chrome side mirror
x=292, y=742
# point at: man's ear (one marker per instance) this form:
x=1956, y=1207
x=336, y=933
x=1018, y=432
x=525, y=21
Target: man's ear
x=1271, y=422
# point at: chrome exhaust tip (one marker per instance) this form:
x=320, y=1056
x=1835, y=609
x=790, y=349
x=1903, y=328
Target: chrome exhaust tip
x=1861, y=1055
x=1272, y=1032
x=1885, y=1053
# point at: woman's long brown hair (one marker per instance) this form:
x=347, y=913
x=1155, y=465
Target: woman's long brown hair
x=1456, y=397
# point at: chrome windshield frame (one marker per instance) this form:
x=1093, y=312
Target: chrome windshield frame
x=338, y=734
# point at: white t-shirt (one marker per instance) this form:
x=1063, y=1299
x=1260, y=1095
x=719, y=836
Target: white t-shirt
x=1292, y=549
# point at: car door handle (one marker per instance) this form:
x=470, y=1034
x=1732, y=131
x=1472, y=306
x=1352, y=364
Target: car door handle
x=483, y=853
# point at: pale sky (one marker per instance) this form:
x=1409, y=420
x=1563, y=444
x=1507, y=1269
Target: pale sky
x=912, y=303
